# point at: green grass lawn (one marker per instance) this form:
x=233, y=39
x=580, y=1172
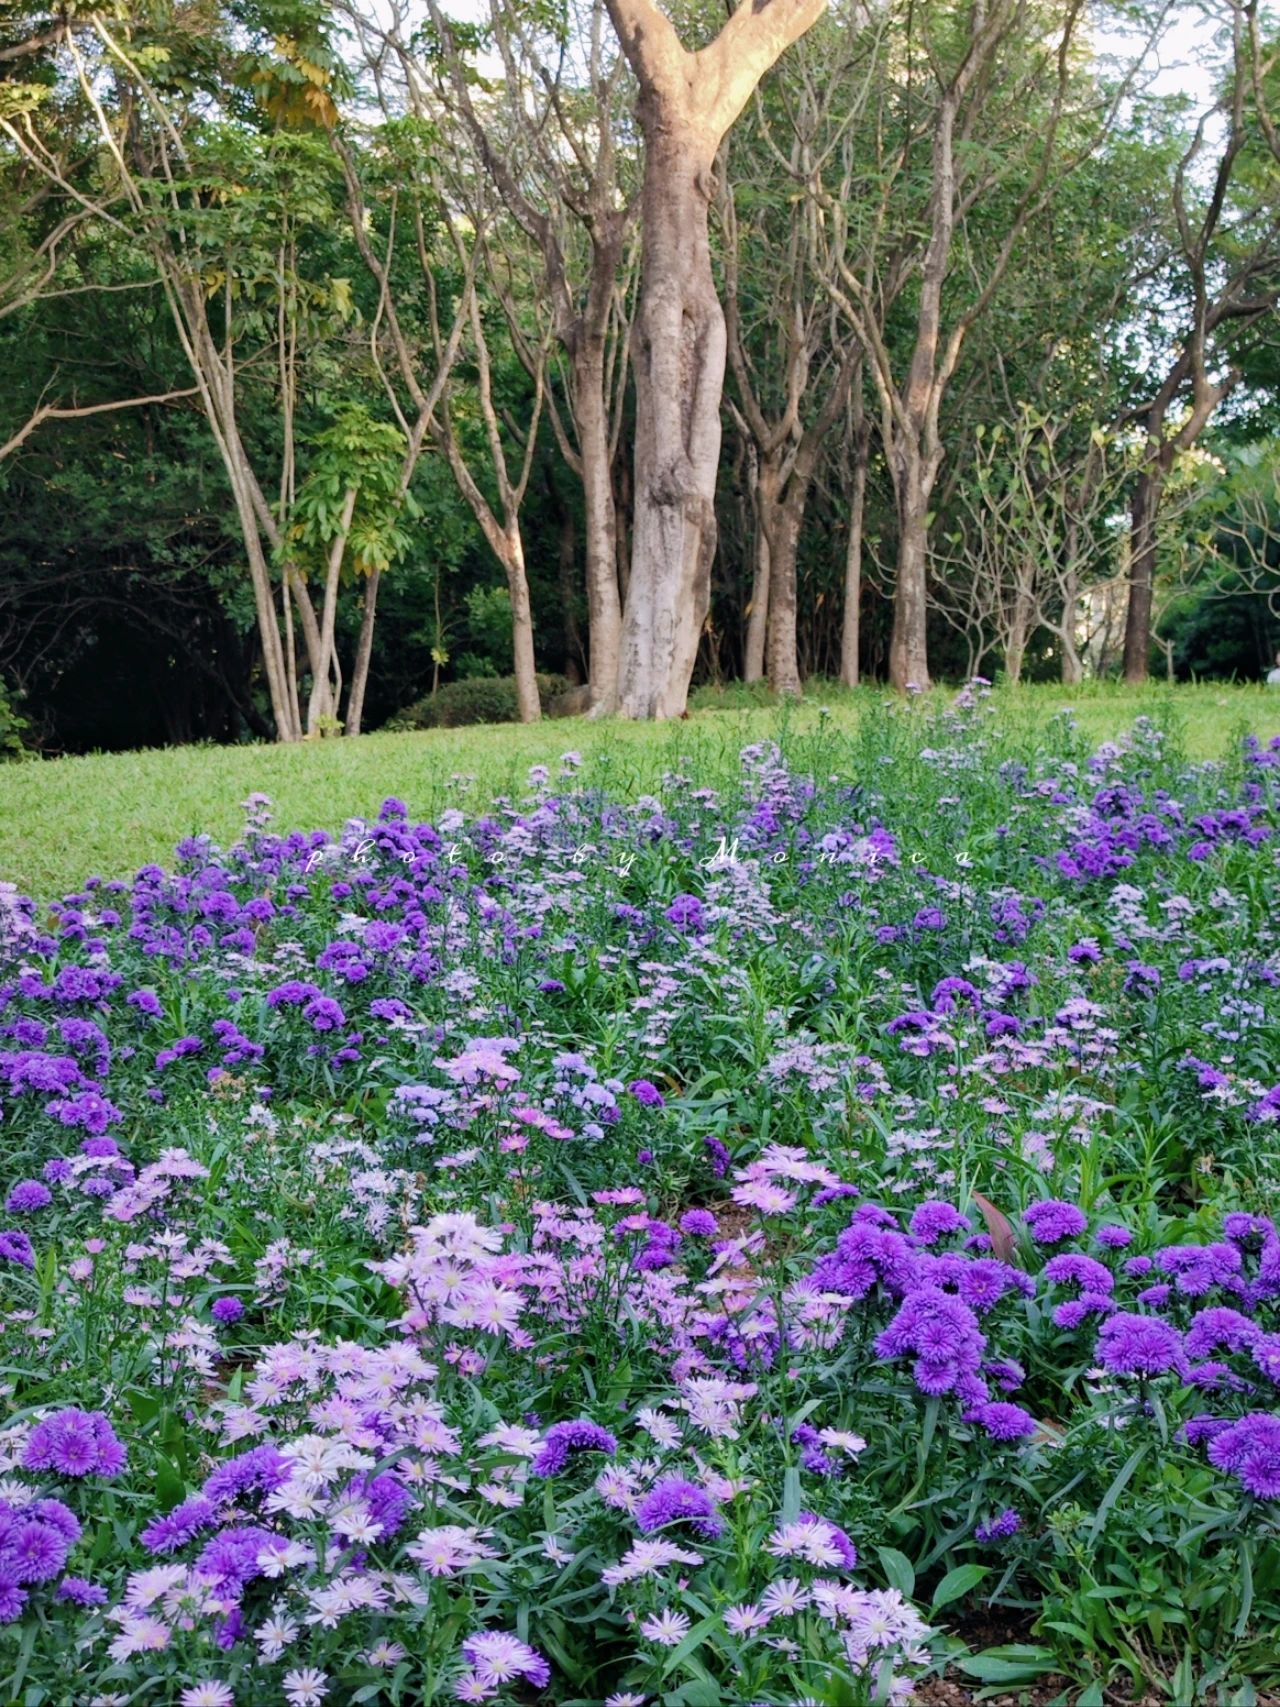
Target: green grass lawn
x=64, y=819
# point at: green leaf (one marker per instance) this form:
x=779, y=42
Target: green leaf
x=1113, y=1493
x=899, y=1570
x=957, y=1583
x=1015, y=1662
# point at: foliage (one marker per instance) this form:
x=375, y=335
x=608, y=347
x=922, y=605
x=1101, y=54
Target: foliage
x=474, y=699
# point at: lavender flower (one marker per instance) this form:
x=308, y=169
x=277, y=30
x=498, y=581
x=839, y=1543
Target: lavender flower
x=563, y=1439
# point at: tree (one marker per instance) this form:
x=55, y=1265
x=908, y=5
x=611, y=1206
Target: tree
x=546, y=134
x=1222, y=282
x=686, y=103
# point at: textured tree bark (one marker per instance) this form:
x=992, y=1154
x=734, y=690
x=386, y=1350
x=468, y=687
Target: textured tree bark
x=678, y=358
x=687, y=102
x=604, y=606
x=908, y=647
x=758, y=613
x=784, y=539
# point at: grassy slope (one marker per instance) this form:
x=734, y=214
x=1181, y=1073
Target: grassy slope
x=63, y=819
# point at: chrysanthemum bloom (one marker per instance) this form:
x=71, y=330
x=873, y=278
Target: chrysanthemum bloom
x=226, y=1310
x=563, y=1439
x=1250, y=1450
x=208, y=1694
x=80, y=1592
x=675, y=1500
x=15, y=1247
x=1138, y=1345
x=934, y=1219
x=1051, y=1221
x=1113, y=1237
x=499, y=1657
x=75, y=1443
x=28, y=1195
x=699, y=1224
x=1002, y=1420
x=647, y=1094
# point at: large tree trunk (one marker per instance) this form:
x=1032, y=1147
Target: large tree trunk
x=908, y=648
x=678, y=358
x=604, y=607
x=784, y=539
x=851, y=628
x=782, y=520
x=1143, y=513
x=364, y=655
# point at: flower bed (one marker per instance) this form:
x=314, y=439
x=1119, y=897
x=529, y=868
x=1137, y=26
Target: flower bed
x=698, y=1251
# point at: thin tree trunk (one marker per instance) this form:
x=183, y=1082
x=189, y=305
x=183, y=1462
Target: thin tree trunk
x=527, y=701
x=908, y=648
x=784, y=539
x=851, y=629
x=758, y=615
x=1144, y=510
x=325, y=683
x=604, y=606
x=364, y=655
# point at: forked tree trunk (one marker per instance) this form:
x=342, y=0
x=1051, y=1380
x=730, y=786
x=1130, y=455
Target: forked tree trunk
x=687, y=102
x=678, y=358
x=1144, y=511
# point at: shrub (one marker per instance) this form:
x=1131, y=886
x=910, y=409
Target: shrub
x=12, y=727
x=481, y=699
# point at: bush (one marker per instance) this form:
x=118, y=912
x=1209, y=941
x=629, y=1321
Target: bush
x=12, y=745
x=481, y=699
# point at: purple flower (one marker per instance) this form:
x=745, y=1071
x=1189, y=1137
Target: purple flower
x=15, y=1246
x=1002, y=1420
x=1250, y=1451
x=686, y=913
x=717, y=1155
x=565, y=1438
x=26, y=1196
x=699, y=1224
x=226, y=1310
x=1138, y=1345
x=1113, y=1237
x=674, y=1500
x=81, y=1592
x=75, y=1443
x=34, y=1551
x=261, y=1470
x=1073, y=1269
x=499, y=1657
x=837, y=1537
x=646, y=1094
x=1051, y=1221
x=166, y=1534
x=999, y=1528
x=934, y=1219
